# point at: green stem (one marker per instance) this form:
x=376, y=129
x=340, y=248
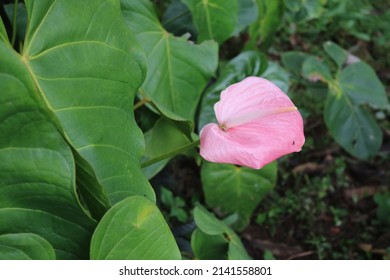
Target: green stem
x=140, y=103
x=14, y=22
x=171, y=154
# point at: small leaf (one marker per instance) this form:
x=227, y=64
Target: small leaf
x=337, y=53
x=382, y=200
x=214, y=19
x=210, y=239
x=164, y=137
x=207, y=222
x=134, y=229
x=25, y=246
x=237, y=250
x=209, y=247
x=237, y=190
x=314, y=69
x=293, y=61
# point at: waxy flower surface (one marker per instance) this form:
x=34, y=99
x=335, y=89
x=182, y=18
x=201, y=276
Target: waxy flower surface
x=257, y=123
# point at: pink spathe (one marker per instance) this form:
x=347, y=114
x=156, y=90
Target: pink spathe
x=257, y=123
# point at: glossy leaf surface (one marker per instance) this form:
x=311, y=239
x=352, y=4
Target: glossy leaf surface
x=174, y=79
x=214, y=239
x=87, y=74
x=213, y=19
x=237, y=189
x=25, y=246
x=37, y=169
x=134, y=229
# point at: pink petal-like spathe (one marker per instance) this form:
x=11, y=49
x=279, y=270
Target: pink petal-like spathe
x=257, y=123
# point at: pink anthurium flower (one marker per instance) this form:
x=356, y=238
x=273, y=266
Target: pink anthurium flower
x=257, y=123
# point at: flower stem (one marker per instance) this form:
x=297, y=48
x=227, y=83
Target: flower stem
x=171, y=154
x=140, y=103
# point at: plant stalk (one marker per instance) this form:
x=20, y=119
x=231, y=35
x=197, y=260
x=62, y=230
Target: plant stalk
x=140, y=103
x=171, y=154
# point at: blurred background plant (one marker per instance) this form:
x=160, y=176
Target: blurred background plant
x=331, y=200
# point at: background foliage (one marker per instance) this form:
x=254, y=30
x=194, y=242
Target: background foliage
x=117, y=83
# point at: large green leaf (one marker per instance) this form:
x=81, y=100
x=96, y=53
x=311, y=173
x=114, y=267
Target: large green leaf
x=263, y=30
x=25, y=246
x=37, y=169
x=237, y=189
x=352, y=126
x=87, y=70
x=213, y=19
x=178, y=70
x=249, y=63
x=133, y=229
x=214, y=239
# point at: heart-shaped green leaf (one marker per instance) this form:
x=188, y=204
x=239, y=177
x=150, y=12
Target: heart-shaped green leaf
x=337, y=53
x=213, y=19
x=352, y=126
x=87, y=70
x=37, y=169
x=237, y=189
x=178, y=70
x=133, y=229
x=25, y=246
